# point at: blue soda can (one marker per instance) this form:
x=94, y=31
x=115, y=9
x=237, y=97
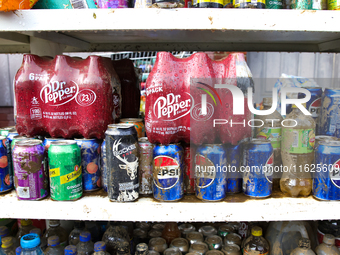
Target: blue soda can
x=211, y=172
x=234, y=158
x=6, y=176
x=9, y=139
x=314, y=104
x=330, y=113
x=168, y=172
x=257, y=169
x=103, y=166
x=90, y=163
x=326, y=181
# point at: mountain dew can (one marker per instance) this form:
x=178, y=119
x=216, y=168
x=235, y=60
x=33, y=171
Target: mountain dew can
x=65, y=170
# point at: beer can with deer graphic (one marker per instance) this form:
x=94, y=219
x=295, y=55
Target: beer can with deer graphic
x=122, y=155
x=90, y=162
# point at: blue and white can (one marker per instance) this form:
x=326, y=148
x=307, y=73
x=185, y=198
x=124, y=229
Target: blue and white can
x=330, y=113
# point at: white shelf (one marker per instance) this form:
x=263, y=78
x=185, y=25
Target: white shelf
x=97, y=206
x=173, y=29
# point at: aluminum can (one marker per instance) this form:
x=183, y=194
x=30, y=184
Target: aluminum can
x=8, y=142
x=5, y=131
x=214, y=242
x=143, y=225
x=154, y=233
x=235, y=225
x=333, y=5
x=122, y=162
x=189, y=173
x=231, y=249
x=257, y=4
x=6, y=176
x=234, y=158
x=232, y=238
x=258, y=160
x=326, y=182
x=158, y=244
x=139, y=125
x=65, y=170
x=186, y=228
x=199, y=248
x=225, y=229
x=208, y=230
x=19, y=138
x=90, y=163
x=211, y=172
x=330, y=113
x=158, y=226
x=172, y=251
x=152, y=252
x=320, y=138
x=47, y=143
x=145, y=166
x=181, y=243
x=140, y=235
x=314, y=104
x=214, y=252
x=103, y=166
x=274, y=4
x=194, y=237
x=168, y=172
x=301, y=4
x=30, y=178
x=142, y=3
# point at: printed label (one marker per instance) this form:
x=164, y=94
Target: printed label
x=301, y=140
x=334, y=174
x=168, y=172
x=55, y=172
x=198, y=115
x=205, y=172
x=211, y=1
x=315, y=107
x=71, y=176
x=58, y=93
x=35, y=113
x=23, y=192
x=86, y=97
x=79, y=4
x=273, y=134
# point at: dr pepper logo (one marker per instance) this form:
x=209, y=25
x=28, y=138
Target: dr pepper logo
x=58, y=92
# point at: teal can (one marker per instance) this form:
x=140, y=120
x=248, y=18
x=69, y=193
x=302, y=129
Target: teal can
x=65, y=4
x=301, y=4
x=274, y=4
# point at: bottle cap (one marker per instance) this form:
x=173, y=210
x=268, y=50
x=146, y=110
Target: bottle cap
x=25, y=223
x=85, y=236
x=99, y=246
x=3, y=231
x=30, y=241
x=7, y=242
x=70, y=250
x=295, y=107
x=18, y=251
x=36, y=231
x=53, y=241
x=54, y=223
x=267, y=101
x=256, y=231
x=304, y=243
x=329, y=239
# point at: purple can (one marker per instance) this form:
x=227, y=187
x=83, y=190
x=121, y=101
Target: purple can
x=29, y=176
x=105, y=4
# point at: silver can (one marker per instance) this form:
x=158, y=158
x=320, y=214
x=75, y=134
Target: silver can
x=235, y=225
x=233, y=238
x=158, y=244
x=181, y=243
x=186, y=228
x=153, y=252
x=231, y=249
x=145, y=166
x=214, y=252
x=158, y=226
x=208, y=231
x=143, y=225
x=225, y=229
x=172, y=251
x=199, y=248
x=194, y=237
x=154, y=233
x=214, y=242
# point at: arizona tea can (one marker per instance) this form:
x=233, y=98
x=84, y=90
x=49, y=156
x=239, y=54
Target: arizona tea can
x=168, y=172
x=122, y=162
x=30, y=179
x=65, y=170
x=145, y=166
x=139, y=126
x=103, y=166
x=105, y=4
x=90, y=162
x=6, y=176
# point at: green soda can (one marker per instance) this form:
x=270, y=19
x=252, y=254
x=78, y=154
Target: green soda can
x=19, y=138
x=5, y=131
x=65, y=170
x=274, y=4
x=301, y=4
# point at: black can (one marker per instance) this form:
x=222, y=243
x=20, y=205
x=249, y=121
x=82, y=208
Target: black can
x=122, y=162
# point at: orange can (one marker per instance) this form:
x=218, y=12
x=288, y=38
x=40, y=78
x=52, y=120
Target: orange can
x=139, y=126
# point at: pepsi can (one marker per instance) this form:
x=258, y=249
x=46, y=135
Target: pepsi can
x=90, y=162
x=168, y=172
x=234, y=157
x=314, y=104
x=326, y=181
x=211, y=172
x=257, y=168
x=103, y=166
x=330, y=113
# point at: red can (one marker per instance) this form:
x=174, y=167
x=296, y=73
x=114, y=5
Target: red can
x=189, y=173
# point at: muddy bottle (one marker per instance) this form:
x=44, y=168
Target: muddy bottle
x=8, y=245
x=54, y=247
x=304, y=248
x=256, y=244
x=4, y=232
x=25, y=228
x=142, y=249
x=171, y=232
x=100, y=248
x=73, y=238
x=85, y=245
x=297, y=151
x=56, y=230
x=327, y=247
x=70, y=250
x=114, y=235
x=123, y=248
x=43, y=242
x=30, y=245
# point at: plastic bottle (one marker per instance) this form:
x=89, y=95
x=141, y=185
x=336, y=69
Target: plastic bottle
x=56, y=230
x=114, y=235
x=100, y=247
x=328, y=246
x=30, y=245
x=256, y=244
x=24, y=229
x=8, y=246
x=70, y=250
x=297, y=151
x=73, y=238
x=171, y=232
x=123, y=248
x=4, y=232
x=85, y=246
x=43, y=242
x=54, y=247
x=142, y=249
x=18, y=250
x=303, y=249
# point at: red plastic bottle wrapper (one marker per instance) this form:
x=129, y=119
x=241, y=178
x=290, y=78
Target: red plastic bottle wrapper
x=175, y=90
x=66, y=97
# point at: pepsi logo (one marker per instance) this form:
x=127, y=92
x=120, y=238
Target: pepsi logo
x=334, y=174
x=168, y=172
x=315, y=107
